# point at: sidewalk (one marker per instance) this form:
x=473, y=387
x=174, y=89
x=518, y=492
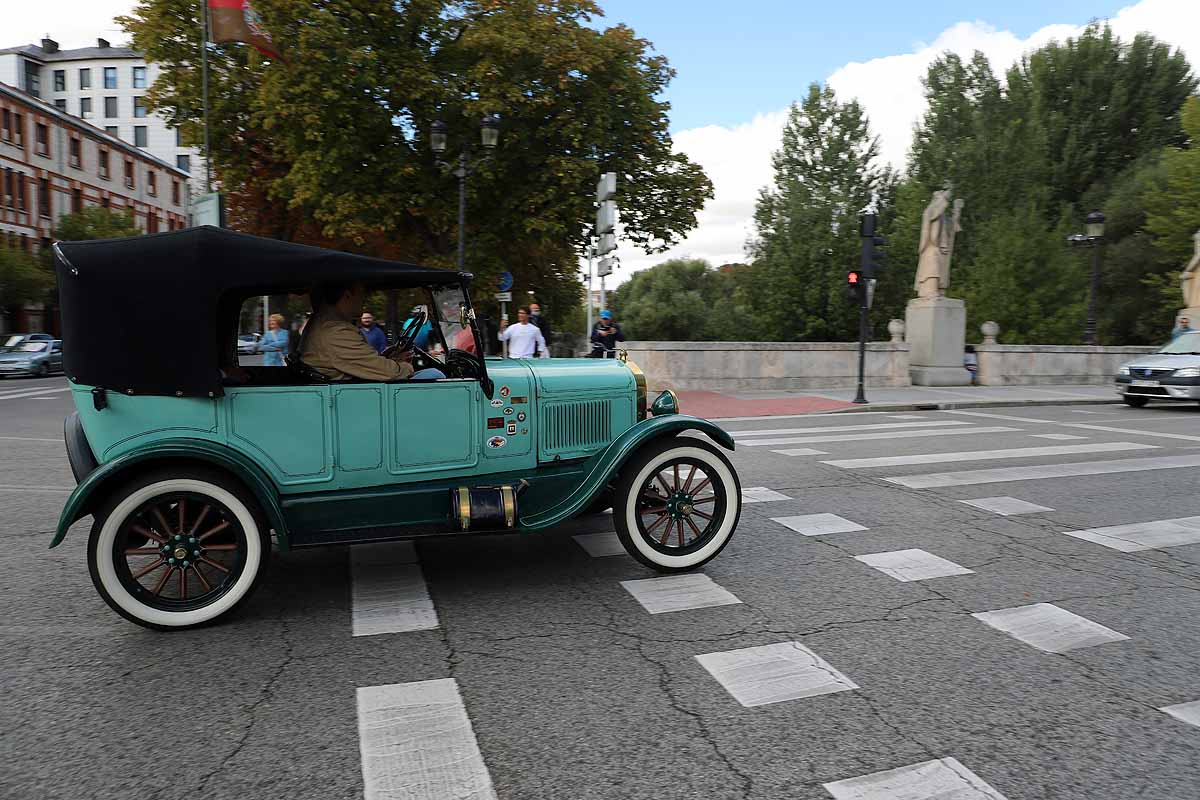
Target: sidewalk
x=782, y=402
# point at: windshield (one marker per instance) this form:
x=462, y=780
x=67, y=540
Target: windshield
x=33, y=347
x=1188, y=343
x=447, y=304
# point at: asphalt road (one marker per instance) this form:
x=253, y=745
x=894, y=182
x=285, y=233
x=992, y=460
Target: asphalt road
x=574, y=690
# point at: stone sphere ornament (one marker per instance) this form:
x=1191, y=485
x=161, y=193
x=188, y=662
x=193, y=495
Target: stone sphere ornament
x=990, y=331
x=896, y=329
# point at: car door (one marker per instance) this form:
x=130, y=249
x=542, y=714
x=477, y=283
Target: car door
x=56, y=356
x=435, y=428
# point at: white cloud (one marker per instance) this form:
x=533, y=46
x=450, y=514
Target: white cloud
x=71, y=23
x=738, y=159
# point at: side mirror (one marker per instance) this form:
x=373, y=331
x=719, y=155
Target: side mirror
x=464, y=316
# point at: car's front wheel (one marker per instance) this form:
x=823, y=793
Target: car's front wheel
x=1135, y=401
x=178, y=548
x=676, y=504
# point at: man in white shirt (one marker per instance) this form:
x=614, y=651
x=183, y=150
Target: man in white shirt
x=524, y=339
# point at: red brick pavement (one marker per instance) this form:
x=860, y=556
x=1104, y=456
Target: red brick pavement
x=712, y=405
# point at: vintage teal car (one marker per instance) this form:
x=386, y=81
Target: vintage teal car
x=188, y=473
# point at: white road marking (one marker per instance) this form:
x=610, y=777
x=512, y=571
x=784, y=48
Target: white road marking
x=988, y=455
x=1003, y=416
x=1091, y=427
x=1184, y=712
x=913, y=565
x=1144, y=535
x=1006, y=506
x=417, y=743
x=943, y=779
x=801, y=451
x=906, y=416
x=29, y=439
x=389, y=592
x=1050, y=628
x=34, y=393
x=843, y=428
x=818, y=524
x=1058, y=437
x=761, y=494
x=679, y=593
x=12, y=487
x=773, y=673
x=1005, y=474
x=862, y=437
x=600, y=545
x=41, y=388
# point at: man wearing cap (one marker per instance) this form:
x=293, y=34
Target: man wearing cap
x=605, y=336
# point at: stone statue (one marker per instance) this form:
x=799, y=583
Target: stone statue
x=1191, y=278
x=939, y=224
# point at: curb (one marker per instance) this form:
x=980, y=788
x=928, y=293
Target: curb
x=952, y=405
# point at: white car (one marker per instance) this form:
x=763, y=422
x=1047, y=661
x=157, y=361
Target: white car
x=1173, y=373
x=248, y=344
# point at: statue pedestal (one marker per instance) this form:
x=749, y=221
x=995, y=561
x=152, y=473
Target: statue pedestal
x=936, y=331
x=1193, y=315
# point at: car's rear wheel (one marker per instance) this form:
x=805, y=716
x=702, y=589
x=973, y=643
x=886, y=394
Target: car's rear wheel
x=178, y=548
x=677, y=504
x=1135, y=401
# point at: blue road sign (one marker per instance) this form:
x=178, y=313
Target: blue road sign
x=506, y=282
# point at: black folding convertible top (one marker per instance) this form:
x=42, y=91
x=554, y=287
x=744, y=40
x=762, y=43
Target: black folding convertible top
x=149, y=314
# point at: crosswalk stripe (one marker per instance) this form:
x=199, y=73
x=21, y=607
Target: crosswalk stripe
x=862, y=437
x=600, y=545
x=417, y=743
x=29, y=439
x=801, y=451
x=1144, y=535
x=389, y=592
x=843, y=428
x=913, y=565
x=34, y=393
x=1003, y=416
x=943, y=777
x=1089, y=426
x=988, y=455
x=1003, y=474
x=773, y=673
x=679, y=593
x=1049, y=627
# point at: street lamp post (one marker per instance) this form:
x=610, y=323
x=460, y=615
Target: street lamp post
x=489, y=137
x=1094, y=238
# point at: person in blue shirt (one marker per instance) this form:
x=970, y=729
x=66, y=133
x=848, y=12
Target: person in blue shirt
x=372, y=332
x=1184, y=327
x=274, y=342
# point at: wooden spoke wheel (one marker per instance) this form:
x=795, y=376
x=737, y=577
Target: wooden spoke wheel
x=677, y=504
x=177, y=549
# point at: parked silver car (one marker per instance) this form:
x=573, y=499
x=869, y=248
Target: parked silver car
x=1173, y=373
x=37, y=358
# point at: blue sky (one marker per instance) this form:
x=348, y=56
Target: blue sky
x=738, y=59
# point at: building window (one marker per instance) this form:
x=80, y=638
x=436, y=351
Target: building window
x=21, y=196
x=18, y=129
x=129, y=173
x=76, y=201
x=110, y=77
x=61, y=104
x=104, y=163
x=151, y=222
x=139, y=135
x=33, y=81
x=151, y=182
x=6, y=124
x=42, y=137
x=110, y=108
x=44, y=197
x=85, y=79
x=179, y=138
x=184, y=163
x=139, y=77
x=104, y=203
x=76, y=153
x=85, y=107
x=139, y=107
x=9, y=190
x=175, y=192
x=60, y=80
x=112, y=130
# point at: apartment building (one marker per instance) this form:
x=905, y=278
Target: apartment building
x=103, y=85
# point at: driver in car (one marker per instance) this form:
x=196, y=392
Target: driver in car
x=332, y=345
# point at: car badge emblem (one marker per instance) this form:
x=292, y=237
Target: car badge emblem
x=508, y=411
x=505, y=391
x=497, y=442
x=497, y=403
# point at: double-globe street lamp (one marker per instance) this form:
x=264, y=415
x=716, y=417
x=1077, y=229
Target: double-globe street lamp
x=1094, y=238
x=489, y=137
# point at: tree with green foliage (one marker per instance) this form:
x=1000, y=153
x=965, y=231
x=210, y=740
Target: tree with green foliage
x=22, y=279
x=681, y=300
x=95, y=222
x=827, y=172
x=332, y=147
x=1173, y=206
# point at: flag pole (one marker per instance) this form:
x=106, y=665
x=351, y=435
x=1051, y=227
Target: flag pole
x=204, y=92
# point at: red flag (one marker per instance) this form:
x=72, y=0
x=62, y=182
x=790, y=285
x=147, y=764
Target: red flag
x=237, y=21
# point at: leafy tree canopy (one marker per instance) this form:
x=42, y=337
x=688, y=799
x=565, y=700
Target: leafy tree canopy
x=22, y=279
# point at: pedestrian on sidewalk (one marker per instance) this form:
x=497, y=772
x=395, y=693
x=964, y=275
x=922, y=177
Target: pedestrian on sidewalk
x=372, y=332
x=274, y=343
x=605, y=336
x=536, y=318
x=1184, y=327
x=524, y=339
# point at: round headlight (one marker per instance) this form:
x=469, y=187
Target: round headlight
x=1123, y=370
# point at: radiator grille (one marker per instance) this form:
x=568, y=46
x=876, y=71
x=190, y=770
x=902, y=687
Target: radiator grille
x=574, y=426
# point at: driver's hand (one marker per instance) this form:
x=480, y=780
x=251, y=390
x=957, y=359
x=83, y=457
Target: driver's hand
x=403, y=356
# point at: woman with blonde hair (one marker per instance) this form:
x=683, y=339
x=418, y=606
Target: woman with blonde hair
x=274, y=342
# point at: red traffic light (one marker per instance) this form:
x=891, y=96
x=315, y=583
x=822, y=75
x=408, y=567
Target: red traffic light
x=852, y=279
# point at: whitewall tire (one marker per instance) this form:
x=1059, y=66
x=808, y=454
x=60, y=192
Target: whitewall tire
x=178, y=548
x=676, y=504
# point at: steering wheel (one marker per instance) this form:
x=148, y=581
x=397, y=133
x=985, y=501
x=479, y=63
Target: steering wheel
x=408, y=334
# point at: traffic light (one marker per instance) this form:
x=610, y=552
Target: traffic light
x=856, y=284
x=874, y=259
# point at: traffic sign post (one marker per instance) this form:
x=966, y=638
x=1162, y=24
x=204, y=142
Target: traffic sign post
x=506, y=282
